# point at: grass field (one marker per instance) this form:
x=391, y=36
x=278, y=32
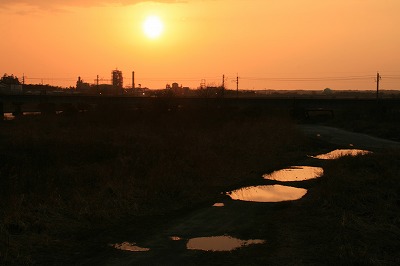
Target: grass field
x=65, y=178
x=61, y=174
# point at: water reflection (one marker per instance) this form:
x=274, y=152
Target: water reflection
x=129, y=247
x=8, y=116
x=340, y=153
x=220, y=243
x=295, y=173
x=11, y=116
x=218, y=204
x=270, y=193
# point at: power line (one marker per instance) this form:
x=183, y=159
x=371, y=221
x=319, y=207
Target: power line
x=216, y=79
x=309, y=79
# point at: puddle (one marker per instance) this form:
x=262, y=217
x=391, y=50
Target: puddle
x=336, y=154
x=270, y=193
x=10, y=116
x=218, y=204
x=129, y=247
x=295, y=173
x=220, y=243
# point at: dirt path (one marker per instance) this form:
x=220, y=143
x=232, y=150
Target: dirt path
x=348, y=139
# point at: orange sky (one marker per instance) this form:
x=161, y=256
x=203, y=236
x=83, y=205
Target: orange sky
x=271, y=44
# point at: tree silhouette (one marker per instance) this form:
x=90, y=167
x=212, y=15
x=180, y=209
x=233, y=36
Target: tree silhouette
x=9, y=80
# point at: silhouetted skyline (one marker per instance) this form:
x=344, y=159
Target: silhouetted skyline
x=287, y=44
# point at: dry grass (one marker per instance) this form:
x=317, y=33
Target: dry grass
x=358, y=200
x=66, y=173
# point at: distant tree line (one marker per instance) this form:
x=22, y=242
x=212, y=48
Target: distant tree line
x=9, y=80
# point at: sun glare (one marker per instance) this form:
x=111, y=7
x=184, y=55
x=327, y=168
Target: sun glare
x=153, y=27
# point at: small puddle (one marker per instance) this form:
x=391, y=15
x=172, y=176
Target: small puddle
x=218, y=204
x=295, y=173
x=220, y=243
x=8, y=116
x=269, y=193
x=11, y=116
x=336, y=154
x=129, y=247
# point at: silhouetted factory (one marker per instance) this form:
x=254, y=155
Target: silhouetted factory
x=117, y=81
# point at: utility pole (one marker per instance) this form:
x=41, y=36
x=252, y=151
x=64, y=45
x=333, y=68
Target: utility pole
x=378, y=78
x=97, y=84
x=237, y=85
x=223, y=85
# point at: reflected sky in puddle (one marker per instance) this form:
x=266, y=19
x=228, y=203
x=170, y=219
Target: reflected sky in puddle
x=295, y=173
x=220, y=243
x=10, y=116
x=129, y=247
x=269, y=193
x=336, y=154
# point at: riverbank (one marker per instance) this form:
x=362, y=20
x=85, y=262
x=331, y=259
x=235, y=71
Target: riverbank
x=62, y=176
x=73, y=186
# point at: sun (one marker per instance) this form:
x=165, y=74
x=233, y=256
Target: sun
x=153, y=27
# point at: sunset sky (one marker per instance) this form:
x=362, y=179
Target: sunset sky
x=270, y=44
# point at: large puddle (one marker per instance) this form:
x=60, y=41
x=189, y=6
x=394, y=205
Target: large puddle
x=295, y=173
x=220, y=243
x=336, y=154
x=268, y=193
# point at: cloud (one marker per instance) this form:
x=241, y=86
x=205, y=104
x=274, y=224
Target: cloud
x=51, y=4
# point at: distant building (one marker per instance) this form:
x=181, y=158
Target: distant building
x=82, y=86
x=175, y=86
x=117, y=81
x=179, y=90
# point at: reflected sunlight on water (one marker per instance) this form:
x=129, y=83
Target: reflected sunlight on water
x=336, y=154
x=129, y=247
x=295, y=173
x=220, y=243
x=269, y=193
x=8, y=116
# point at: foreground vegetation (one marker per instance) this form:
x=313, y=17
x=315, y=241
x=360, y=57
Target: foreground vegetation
x=358, y=201
x=66, y=178
x=66, y=174
x=348, y=217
